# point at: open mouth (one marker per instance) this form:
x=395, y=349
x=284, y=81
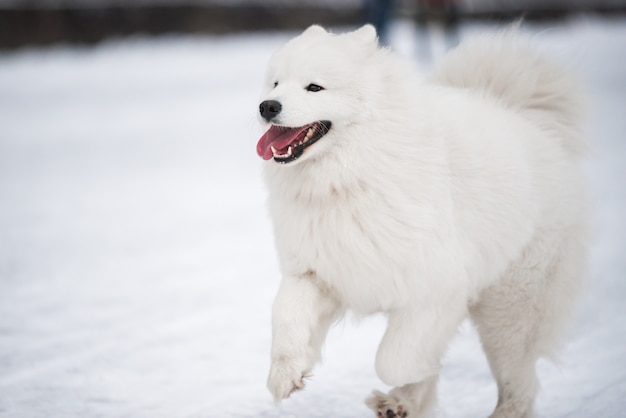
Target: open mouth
x=286, y=144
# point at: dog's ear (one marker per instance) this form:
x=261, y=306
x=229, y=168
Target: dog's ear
x=314, y=30
x=366, y=34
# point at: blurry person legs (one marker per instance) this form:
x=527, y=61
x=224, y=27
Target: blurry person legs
x=435, y=19
x=379, y=13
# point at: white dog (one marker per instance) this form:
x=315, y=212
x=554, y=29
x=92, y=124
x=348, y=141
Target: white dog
x=428, y=200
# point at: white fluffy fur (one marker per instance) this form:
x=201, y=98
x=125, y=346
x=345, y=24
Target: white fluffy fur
x=428, y=200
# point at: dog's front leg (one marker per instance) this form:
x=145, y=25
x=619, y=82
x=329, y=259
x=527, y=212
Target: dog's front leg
x=303, y=311
x=409, y=354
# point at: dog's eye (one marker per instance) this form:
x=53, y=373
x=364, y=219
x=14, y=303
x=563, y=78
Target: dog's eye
x=314, y=87
x=275, y=83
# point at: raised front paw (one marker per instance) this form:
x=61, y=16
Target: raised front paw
x=285, y=378
x=386, y=406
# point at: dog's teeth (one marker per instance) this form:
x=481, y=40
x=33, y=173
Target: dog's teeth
x=274, y=150
x=289, y=151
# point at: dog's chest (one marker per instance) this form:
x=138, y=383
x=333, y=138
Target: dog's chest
x=363, y=249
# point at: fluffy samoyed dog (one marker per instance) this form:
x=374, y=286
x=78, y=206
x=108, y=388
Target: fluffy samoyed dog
x=427, y=199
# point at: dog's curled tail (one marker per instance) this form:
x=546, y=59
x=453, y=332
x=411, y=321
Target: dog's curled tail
x=507, y=68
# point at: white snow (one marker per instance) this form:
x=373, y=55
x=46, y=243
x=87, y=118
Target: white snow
x=137, y=266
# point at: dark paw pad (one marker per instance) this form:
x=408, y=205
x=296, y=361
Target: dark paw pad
x=393, y=414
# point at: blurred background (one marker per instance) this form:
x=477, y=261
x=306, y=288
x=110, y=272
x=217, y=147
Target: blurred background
x=37, y=22
x=137, y=266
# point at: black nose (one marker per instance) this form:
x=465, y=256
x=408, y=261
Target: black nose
x=270, y=109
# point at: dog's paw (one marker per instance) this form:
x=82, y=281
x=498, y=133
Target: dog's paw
x=284, y=379
x=386, y=406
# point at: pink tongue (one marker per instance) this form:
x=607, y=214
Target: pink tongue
x=278, y=136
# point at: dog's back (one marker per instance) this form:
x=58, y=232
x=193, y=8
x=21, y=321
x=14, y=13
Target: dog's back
x=507, y=68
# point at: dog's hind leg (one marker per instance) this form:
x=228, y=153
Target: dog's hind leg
x=521, y=317
x=303, y=312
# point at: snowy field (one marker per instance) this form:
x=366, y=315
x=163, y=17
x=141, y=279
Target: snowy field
x=137, y=266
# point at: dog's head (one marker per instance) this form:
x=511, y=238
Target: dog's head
x=315, y=86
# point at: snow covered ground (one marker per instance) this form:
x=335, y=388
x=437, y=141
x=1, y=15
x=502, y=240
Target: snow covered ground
x=137, y=266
